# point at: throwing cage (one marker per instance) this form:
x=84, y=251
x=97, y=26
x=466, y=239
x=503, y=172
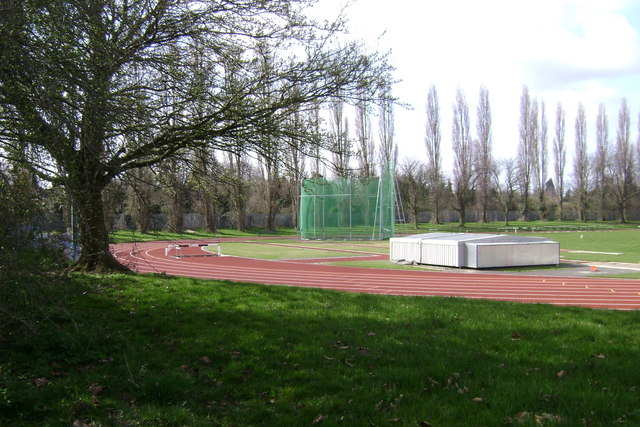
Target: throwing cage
x=348, y=208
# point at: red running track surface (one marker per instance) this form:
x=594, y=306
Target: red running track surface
x=621, y=294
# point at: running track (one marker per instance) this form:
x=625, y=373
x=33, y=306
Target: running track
x=149, y=257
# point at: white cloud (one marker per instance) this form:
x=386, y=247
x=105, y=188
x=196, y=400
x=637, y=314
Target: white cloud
x=566, y=51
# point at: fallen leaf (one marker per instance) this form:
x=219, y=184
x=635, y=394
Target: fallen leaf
x=425, y=423
x=599, y=356
x=347, y=362
x=371, y=334
x=318, y=419
x=329, y=358
x=478, y=399
x=340, y=345
x=516, y=336
x=39, y=382
x=561, y=374
x=96, y=389
x=205, y=359
x=394, y=420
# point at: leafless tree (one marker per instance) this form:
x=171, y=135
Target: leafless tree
x=141, y=194
x=340, y=142
x=364, y=138
x=386, y=131
x=296, y=157
x=173, y=178
x=413, y=186
x=270, y=162
x=237, y=182
x=541, y=168
x=623, y=163
x=581, y=172
x=207, y=175
x=559, y=155
x=484, y=163
x=601, y=160
x=315, y=126
x=463, y=174
x=505, y=182
x=527, y=152
x=434, y=154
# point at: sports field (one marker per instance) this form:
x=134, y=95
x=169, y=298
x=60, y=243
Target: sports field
x=321, y=264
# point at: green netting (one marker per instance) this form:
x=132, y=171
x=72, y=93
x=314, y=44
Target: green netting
x=348, y=208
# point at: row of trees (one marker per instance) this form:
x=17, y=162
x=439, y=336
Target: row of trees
x=195, y=96
x=602, y=181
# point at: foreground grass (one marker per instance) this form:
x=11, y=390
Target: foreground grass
x=155, y=350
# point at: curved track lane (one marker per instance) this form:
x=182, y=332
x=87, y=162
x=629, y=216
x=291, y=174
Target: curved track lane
x=149, y=257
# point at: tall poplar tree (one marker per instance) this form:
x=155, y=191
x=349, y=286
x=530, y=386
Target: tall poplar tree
x=601, y=160
x=433, y=141
x=559, y=156
x=463, y=173
x=581, y=172
x=484, y=163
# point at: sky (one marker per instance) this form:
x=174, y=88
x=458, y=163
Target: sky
x=567, y=51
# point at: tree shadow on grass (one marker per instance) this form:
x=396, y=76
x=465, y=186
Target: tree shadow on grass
x=168, y=351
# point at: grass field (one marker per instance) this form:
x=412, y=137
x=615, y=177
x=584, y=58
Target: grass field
x=160, y=351
x=123, y=236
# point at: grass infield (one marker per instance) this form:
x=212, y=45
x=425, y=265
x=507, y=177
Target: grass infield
x=162, y=351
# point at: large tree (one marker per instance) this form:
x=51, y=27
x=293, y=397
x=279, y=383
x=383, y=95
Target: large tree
x=78, y=77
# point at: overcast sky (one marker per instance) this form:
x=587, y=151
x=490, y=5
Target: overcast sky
x=566, y=51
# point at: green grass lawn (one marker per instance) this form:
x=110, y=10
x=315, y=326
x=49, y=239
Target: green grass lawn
x=623, y=242
x=161, y=351
x=499, y=227
x=279, y=249
x=124, y=236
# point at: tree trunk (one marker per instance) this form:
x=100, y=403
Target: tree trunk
x=462, y=212
x=210, y=216
x=272, y=203
x=623, y=215
x=94, y=237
